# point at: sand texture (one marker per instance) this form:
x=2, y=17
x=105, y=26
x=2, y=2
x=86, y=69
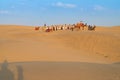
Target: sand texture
x=60, y=55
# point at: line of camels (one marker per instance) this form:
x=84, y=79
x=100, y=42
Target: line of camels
x=77, y=26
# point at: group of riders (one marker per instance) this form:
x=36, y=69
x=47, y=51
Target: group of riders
x=77, y=26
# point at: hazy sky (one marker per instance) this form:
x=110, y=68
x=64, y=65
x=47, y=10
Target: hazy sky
x=38, y=12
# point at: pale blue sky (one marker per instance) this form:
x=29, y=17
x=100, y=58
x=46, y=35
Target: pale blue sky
x=38, y=12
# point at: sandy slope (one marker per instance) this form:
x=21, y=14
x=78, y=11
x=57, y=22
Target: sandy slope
x=21, y=43
x=62, y=55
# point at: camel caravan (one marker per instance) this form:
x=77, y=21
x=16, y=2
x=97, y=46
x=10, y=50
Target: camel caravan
x=72, y=27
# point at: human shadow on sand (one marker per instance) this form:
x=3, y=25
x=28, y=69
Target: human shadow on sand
x=7, y=74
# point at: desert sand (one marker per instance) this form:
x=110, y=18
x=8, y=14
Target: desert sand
x=62, y=55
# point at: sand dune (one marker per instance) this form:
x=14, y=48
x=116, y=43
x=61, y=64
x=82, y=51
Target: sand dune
x=104, y=44
x=61, y=55
x=21, y=43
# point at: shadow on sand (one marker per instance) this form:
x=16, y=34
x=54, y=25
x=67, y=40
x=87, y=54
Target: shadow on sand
x=58, y=71
x=7, y=74
x=117, y=63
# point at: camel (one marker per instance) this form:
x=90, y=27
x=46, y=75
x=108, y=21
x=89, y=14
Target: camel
x=79, y=25
x=49, y=29
x=91, y=27
x=37, y=28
